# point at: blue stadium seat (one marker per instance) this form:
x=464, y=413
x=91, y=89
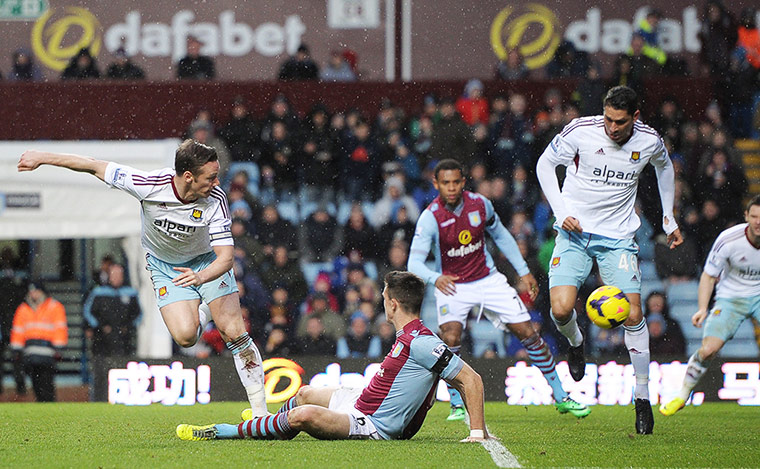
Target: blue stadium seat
x=429, y=314
x=683, y=310
x=683, y=291
x=370, y=268
x=648, y=271
x=740, y=348
x=309, y=207
x=288, y=211
x=484, y=337
x=249, y=167
x=650, y=285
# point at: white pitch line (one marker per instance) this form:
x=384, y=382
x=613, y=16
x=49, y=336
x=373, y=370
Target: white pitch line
x=500, y=455
x=498, y=452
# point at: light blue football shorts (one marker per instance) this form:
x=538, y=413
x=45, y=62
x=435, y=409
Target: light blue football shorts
x=727, y=314
x=162, y=274
x=574, y=255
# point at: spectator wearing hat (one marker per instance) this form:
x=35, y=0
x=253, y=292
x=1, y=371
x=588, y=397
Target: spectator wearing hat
x=241, y=134
x=472, y=106
x=81, y=67
x=451, y=137
x=337, y=69
x=39, y=333
x=358, y=236
x=194, y=66
x=320, y=238
x=24, y=68
x=393, y=199
x=123, y=69
x=299, y=66
x=358, y=341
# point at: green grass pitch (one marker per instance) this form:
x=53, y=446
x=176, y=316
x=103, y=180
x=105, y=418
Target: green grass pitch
x=102, y=435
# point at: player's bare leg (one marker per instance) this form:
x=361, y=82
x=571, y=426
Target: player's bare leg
x=314, y=396
x=181, y=318
x=226, y=313
x=315, y=420
x=451, y=334
x=563, y=298
x=637, y=343
x=542, y=358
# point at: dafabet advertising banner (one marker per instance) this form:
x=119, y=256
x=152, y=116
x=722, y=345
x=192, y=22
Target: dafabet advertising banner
x=435, y=39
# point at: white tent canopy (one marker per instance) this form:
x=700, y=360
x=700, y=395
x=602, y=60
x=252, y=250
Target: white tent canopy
x=54, y=203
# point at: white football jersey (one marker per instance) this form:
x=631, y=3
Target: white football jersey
x=737, y=262
x=602, y=177
x=173, y=231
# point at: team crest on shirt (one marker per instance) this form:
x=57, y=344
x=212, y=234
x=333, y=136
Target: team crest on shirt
x=196, y=215
x=397, y=350
x=555, y=262
x=474, y=218
x=635, y=156
x=162, y=292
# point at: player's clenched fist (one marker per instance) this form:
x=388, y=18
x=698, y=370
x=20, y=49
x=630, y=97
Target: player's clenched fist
x=30, y=160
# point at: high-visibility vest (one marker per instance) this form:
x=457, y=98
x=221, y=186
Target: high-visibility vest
x=40, y=331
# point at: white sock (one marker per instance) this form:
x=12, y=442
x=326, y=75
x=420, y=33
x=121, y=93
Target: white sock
x=204, y=317
x=637, y=343
x=570, y=329
x=248, y=364
x=694, y=372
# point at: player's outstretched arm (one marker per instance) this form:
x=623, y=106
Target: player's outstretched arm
x=33, y=159
x=706, y=286
x=469, y=383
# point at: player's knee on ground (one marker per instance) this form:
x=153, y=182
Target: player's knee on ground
x=302, y=417
x=303, y=394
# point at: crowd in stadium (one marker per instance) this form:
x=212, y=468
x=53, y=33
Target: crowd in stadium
x=324, y=204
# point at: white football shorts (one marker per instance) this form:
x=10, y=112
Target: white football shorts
x=344, y=400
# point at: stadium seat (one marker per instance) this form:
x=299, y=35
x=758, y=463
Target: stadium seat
x=288, y=211
x=309, y=207
x=249, y=167
x=740, y=348
x=310, y=270
x=650, y=285
x=648, y=271
x=370, y=268
x=484, y=337
x=683, y=310
x=683, y=291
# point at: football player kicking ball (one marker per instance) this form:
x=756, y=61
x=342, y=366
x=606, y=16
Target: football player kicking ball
x=734, y=264
x=186, y=233
x=595, y=215
x=393, y=405
x=456, y=223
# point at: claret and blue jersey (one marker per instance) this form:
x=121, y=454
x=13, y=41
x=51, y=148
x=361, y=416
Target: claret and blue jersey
x=399, y=396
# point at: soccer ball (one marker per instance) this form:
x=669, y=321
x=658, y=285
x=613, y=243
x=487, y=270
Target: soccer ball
x=608, y=307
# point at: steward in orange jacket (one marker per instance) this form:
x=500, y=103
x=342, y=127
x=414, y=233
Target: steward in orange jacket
x=39, y=332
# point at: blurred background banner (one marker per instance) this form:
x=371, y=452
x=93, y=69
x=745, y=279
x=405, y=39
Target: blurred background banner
x=187, y=381
x=391, y=38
